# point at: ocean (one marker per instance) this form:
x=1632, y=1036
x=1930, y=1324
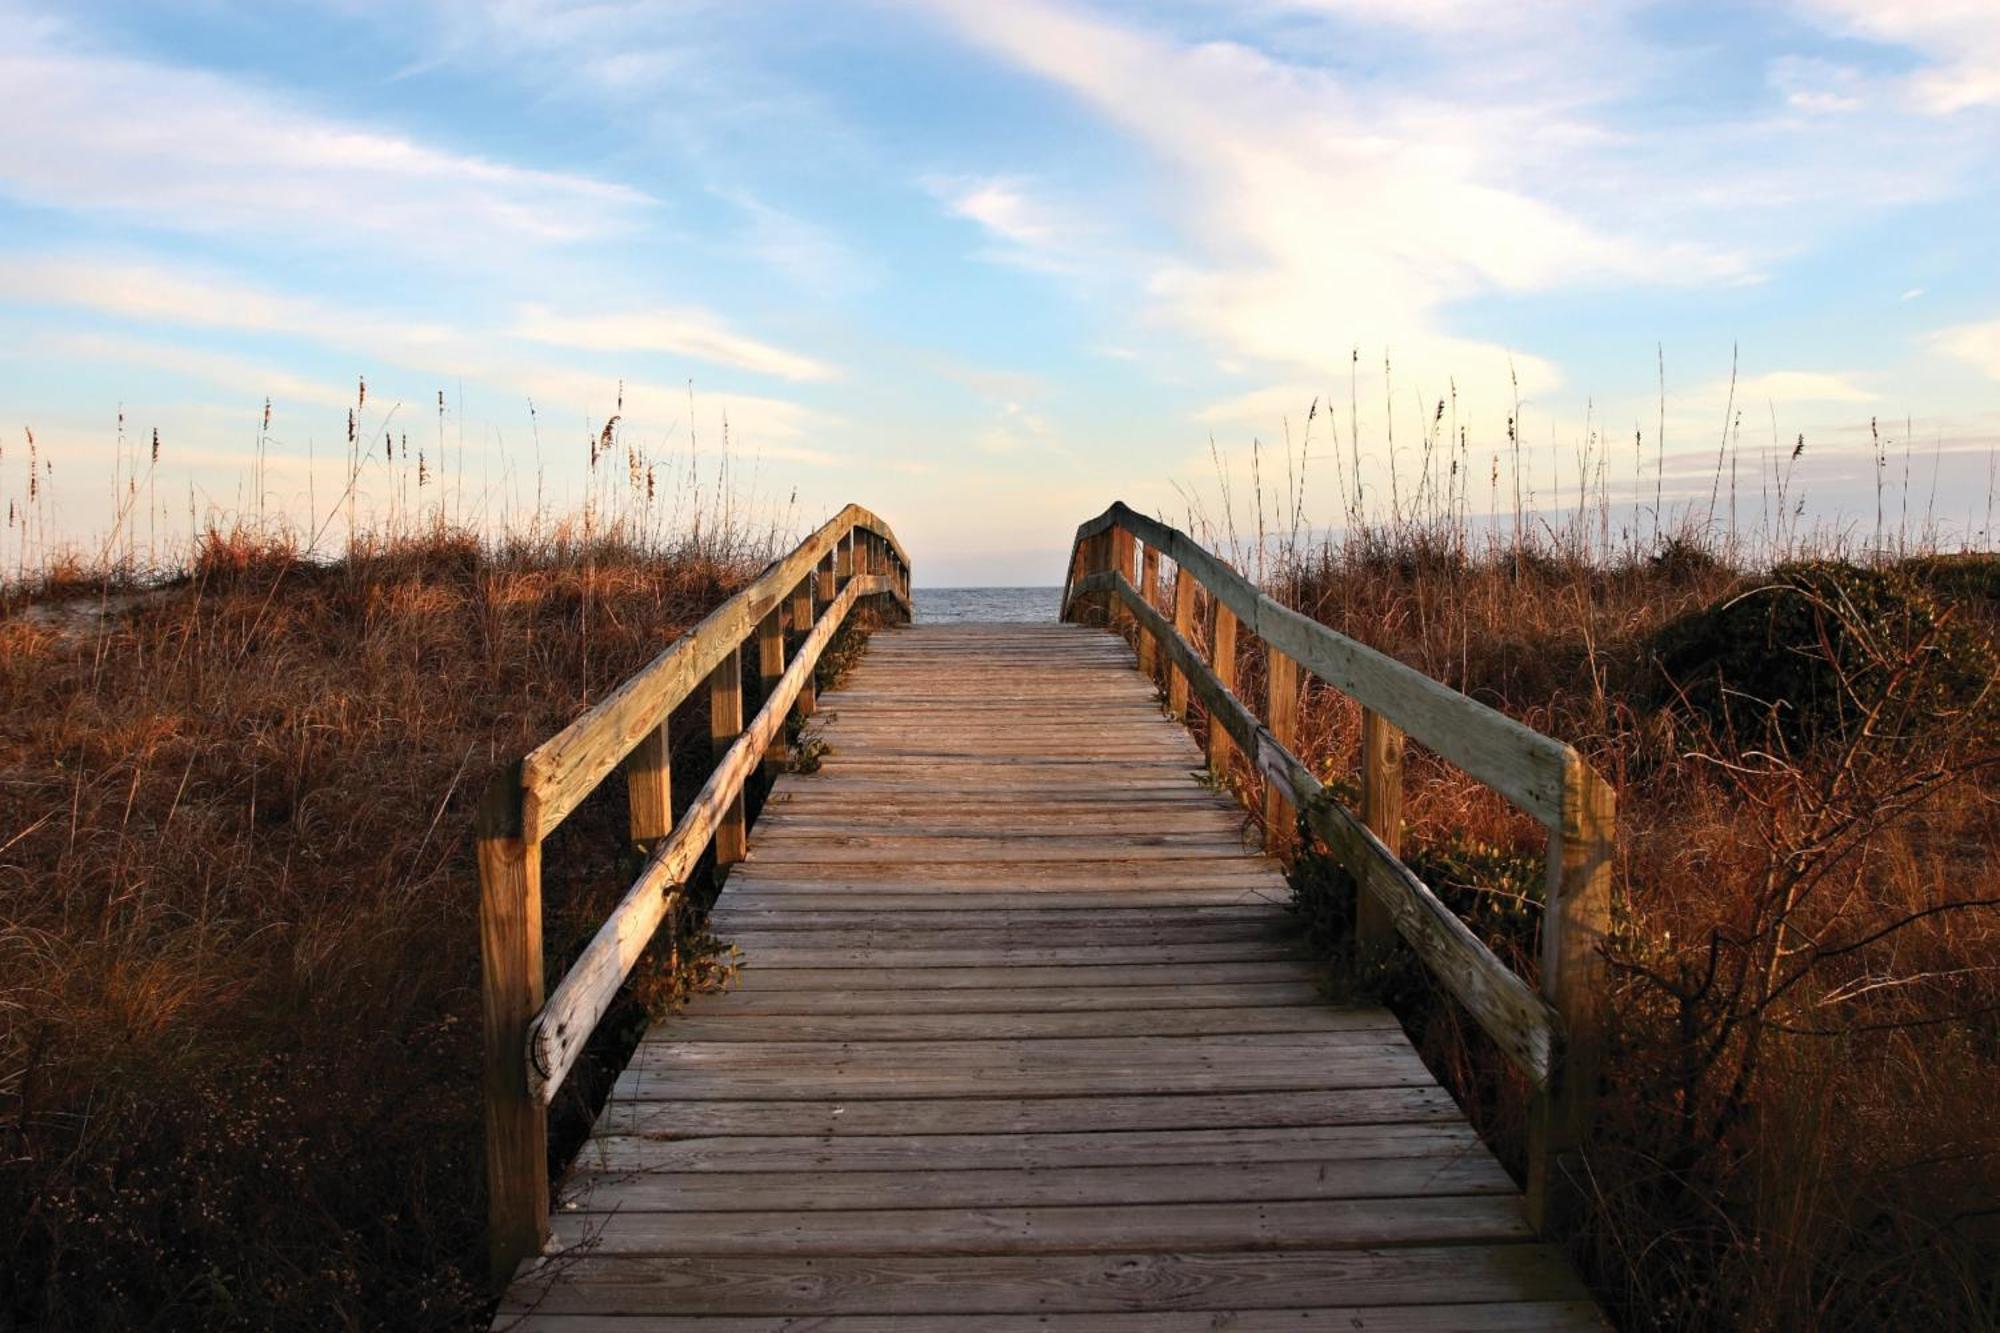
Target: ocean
x=1015, y=606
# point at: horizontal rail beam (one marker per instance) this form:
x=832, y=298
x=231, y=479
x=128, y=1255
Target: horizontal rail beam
x=557, y=1035
x=559, y=773
x=1521, y=1023
x=1520, y=763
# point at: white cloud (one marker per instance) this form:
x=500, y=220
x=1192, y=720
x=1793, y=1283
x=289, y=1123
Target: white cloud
x=1799, y=386
x=255, y=380
x=1321, y=220
x=1959, y=38
x=1031, y=232
x=1977, y=345
x=756, y=423
x=1817, y=87
x=193, y=299
x=692, y=333
x=186, y=299
x=181, y=148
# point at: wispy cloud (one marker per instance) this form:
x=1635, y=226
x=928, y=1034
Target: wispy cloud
x=250, y=377
x=1958, y=39
x=1027, y=229
x=1799, y=386
x=192, y=298
x=691, y=333
x=1977, y=345
x=1319, y=220
x=173, y=147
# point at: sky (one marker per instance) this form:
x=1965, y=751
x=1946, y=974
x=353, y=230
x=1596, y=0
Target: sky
x=984, y=267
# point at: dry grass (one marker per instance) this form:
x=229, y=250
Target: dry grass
x=239, y=1015
x=1797, y=1129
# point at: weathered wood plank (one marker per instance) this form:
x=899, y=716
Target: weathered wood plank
x=1355, y=1146
x=1317, y=1224
x=1021, y=978
x=1485, y=1317
x=1161, y=999
x=927, y=1026
x=937, y=1286
x=988, y=1186
x=653, y=1109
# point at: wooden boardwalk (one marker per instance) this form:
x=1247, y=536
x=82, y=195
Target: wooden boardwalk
x=1023, y=1039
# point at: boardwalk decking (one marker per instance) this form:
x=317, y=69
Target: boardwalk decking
x=1023, y=1038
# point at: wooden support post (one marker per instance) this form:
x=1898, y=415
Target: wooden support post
x=802, y=623
x=1222, y=658
x=843, y=559
x=725, y=724
x=770, y=666
x=510, y=954
x=1382, y=811
x=1149, y=588
x=649, y=788
x=1576, y=919
x=1177, y=685
x=1281, y=715
x=1079, y=565
x=1123, y=549
x=824, y=577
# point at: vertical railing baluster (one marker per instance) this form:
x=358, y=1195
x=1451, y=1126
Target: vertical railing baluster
x=649, y=788
x=1222, y=655
x=1177, y=683
x=1149, y=589
x=770, y=666
x=1382, y=747
x=1123, y=551
x=802, y=623
x=725, y=724
x=1281, y=715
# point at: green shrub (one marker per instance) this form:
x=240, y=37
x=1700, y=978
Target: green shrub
x=1803, y=653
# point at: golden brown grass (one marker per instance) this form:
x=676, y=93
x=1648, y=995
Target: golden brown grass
x=239, y=1012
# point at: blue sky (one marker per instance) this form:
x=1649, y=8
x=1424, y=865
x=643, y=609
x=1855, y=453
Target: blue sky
x=984, y=266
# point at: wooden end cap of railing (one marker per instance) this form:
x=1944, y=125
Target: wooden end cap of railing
x=1555, y=1034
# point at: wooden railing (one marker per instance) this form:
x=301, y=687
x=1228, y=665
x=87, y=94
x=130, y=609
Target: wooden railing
x=531, y=1044
x=1555, y=1037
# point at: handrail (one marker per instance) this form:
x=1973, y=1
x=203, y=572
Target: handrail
x=530, y=1045
x=1555, y=1038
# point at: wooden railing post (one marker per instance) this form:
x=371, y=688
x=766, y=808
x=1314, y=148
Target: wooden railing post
x=1149, y=588
x=510, y=954
x=1576, y=918
x=1123, y=549
x=725, y=724
x=1177, y=683
x=1281, y=715
x=770, y=666
x=649, y=788
x=843, y=559
x=1222, y=653
x=802, y=623
x=823, y=576
x=1382, y=747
